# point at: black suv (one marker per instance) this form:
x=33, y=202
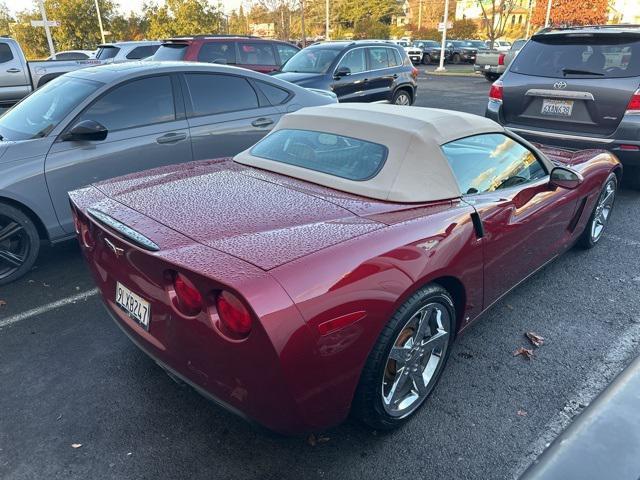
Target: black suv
x=464, y=50
x=576, y=88
x=356, y=71
x=431, y=50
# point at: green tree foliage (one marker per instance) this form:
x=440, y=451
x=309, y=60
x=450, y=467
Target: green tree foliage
x=350, y=13
x=32, y=40
x=370, y=28
x=238, y=22
x=183, y=17
x=130, y=27
x=5, y=20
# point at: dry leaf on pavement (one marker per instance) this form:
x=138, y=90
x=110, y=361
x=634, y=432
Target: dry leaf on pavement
x=535, y=339
x=76, y=445
x=524, y=352
x=521, y=413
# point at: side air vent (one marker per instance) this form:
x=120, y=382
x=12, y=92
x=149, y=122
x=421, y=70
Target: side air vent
x=127, y=232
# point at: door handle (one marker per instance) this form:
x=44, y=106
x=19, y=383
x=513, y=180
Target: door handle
x=262, y=122
x=172, y=137
x=14, y=70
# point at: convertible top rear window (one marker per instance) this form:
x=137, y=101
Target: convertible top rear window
x=337, y=155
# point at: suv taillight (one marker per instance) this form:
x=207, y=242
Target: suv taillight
x=495, y=93
x=633, y=107
x=414, y=73
x=501, y=59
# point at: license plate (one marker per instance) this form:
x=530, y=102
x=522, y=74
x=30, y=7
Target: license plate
x=487, y=67
x=136, y=307
x=560, y=108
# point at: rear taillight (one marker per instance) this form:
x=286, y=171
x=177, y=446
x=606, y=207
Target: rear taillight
x=235, y=318
x=76, y=221
x=633, y=107
x=501, y=59
x=86, y=236
x=188, y=299
x=414, y=73
x=495, y=93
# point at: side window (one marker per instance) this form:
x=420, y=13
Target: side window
x=256, y=53
x=142, y=52
x=134, y=104
x=285, y=52
x=211, y=94
x=275, y=95
x=354, y=60
x=5, y=53
x=394, y=58
x=378, y=58
x=218, y=52
x=489, y=162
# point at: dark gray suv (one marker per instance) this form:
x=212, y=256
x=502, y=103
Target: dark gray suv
x=576, y=88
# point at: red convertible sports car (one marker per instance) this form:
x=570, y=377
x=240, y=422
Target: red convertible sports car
x=329, y=268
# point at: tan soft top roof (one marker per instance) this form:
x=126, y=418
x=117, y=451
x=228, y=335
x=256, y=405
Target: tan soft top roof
x=416, y=169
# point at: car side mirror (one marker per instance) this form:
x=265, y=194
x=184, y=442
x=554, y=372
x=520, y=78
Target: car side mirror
x=86, y=130
x=565, y=177
x=342, y=72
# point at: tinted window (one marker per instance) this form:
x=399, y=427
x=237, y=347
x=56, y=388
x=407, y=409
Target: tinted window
x=518, y=44
x=218, y=52
x=257, y=53
x=41, y=111
x=211, y=94
x=134, y=104
x=275, y=95
x=71, y=56
x=484, y=163
x=105, y=53
x=285, y=52
x=5, y=53
x=601, y=56
x=170, y=51
x=354, y=60
x=394, y=58
x=142, y=52
x=378, y=58
x=336, y=155
x=312, y=60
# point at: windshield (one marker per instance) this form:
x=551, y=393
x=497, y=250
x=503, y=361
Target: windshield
x=475, y=44
x=600, y=56
x=311, y=60
x=41, y=111
x=171, y=51
x=328, y=153
x=105, y=53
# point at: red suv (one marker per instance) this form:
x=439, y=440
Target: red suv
x=253, y=53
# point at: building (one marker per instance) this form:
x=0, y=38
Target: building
x=516, y=21
x=624, y=11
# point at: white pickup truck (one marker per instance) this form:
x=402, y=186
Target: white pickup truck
x=19, y=77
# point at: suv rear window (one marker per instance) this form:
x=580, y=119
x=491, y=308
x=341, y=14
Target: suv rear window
x=171, y=51
x=105, y=53
x=337, y=155
x=218, y=52
x=593, y=56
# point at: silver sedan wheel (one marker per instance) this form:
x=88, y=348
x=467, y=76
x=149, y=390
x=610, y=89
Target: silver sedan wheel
x=415, y=360
x=603, y=210
x=403, y=99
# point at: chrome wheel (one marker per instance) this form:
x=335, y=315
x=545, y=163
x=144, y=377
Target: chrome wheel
x=603, y=210
x=14, y=246
x=402, y=98
x=415, y=360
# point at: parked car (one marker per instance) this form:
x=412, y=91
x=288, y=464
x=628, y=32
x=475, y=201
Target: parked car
x=576, y=88
x=329, y=267
x=73, y=55
x=463, y=51
x=499, y=45
x=493, y=63
x=254, y=53
x=19, y=77
x=413, y=52
x=126, y=51
x=356, y=71
x=431, y=51
x=110, y=120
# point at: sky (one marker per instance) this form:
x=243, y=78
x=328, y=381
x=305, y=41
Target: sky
x=125, y=5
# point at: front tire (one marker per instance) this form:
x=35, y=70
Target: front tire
x=599, y=218
x=407, y=360
x=19, y=244
x=456, y=59
x=402, y=97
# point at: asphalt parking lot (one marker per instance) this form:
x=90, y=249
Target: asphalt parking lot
x=70, y=377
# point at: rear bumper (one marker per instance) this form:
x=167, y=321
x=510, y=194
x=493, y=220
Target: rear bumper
x=497, y=69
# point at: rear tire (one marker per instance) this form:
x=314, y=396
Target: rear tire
x=455, y=59
x=601, y=214
x=426, y=59
x=413, y=347
x=402, y=97
x=19, y=243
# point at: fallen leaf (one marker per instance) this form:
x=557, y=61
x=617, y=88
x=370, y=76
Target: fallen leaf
x=535, y=339
x=524, y=352
x=45, y=284
x=3, y=303
x=323, y=439
x=311, y=440
x=510, y=307
x=521, y=413
x=76, y=445
x=59, y=417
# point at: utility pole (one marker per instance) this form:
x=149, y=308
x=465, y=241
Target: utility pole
x=546, y=21
x=444, y=37
x=304, y=36
x=100, y=21
x=46, y=27
x=420, y=15
x=326, y=20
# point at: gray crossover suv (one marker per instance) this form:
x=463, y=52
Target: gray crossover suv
x=106, y=121
x=576, y=88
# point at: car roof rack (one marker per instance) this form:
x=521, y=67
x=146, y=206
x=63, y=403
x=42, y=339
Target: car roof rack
x=213, y=35
x=615, y=26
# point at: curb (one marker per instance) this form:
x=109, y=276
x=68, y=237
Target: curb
x=452, y=74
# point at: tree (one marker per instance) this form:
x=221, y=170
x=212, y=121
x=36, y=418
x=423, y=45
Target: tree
x=131, y=27
x=463, y=29
x=432, y=13
x=495, y=16
x=182, y=17
x=571, y=12
x=5, y=20
x=238, y=23
x=32, y=40
x=369, y=28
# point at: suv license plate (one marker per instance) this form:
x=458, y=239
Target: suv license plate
x=136, y=307
x=560, y=108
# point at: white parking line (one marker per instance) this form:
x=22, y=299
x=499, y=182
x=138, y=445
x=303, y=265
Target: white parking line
x=47, y=308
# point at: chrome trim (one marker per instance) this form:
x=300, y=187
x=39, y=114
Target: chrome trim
x=128, y=232
x=539, y=92
x=561, y=135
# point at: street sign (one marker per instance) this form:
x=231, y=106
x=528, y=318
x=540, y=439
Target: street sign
x=40, y=23
x=441, y=26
